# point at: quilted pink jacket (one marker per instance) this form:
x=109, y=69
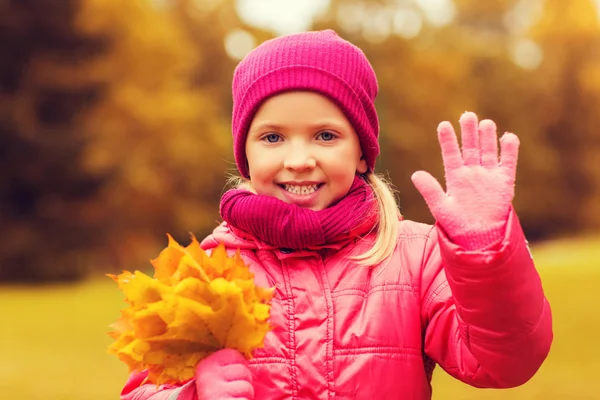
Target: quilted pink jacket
x=348, y=332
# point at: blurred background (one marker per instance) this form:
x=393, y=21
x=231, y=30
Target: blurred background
x=114, y=130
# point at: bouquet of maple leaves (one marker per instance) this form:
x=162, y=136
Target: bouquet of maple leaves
x=194, y=305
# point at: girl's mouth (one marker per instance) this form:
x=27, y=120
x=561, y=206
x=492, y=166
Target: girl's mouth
x=302, y=190
x=302, y=195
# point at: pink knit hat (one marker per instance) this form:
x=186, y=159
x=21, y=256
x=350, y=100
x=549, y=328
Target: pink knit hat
x=319, y=61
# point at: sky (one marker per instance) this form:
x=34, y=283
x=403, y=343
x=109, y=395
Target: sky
x=282, y=16
x=289, y=16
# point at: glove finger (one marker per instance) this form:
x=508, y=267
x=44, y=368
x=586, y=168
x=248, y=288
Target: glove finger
x=222, y=357
x=449, y=144
x=509, y=152
x=237, y=372
x=471, y=153
x=429, y=187
x=240, y=390
x=489, y=143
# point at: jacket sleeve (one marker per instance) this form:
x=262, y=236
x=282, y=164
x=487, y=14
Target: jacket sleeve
x=136, y=389
x=487, y=321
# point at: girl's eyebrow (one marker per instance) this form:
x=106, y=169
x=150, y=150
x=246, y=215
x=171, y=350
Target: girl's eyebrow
x=267, y=126
x=327, y=124
x=318, y=125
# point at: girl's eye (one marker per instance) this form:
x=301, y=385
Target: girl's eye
x=272, y=138
x=327, y=136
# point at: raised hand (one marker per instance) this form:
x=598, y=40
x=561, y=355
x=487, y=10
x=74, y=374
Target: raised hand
x=224, y=375
x=479, y=185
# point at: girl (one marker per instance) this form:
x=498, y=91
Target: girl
x=366, y=303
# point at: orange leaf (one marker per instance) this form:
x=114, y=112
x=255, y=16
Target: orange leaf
x=195, y=304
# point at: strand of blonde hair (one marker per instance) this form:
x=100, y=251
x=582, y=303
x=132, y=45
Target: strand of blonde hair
x=388, y=215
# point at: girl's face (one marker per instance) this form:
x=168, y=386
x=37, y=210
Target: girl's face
x=302, y=149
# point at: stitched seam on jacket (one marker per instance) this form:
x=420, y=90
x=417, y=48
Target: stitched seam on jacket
x=413, y=236
x=420, y=283
x=329, y=330
x=457, y=337
x=388, y=350
x=291, y=331
x=466, y=336
x=269, y=360
x=374, y=289
x=443, y=285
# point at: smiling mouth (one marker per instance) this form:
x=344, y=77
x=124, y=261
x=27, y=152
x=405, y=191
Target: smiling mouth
x=301, y=190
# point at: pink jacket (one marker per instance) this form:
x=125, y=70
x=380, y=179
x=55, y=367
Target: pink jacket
x=349, y=332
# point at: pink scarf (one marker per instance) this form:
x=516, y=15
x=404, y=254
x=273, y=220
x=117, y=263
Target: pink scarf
x=289, y=226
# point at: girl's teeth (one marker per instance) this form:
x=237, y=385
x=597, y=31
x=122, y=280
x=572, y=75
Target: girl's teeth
x=303, y=190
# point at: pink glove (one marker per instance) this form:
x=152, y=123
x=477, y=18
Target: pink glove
x=474, y=210
x=224, y=375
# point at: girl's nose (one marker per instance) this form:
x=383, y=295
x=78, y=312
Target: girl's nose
x=299, y=160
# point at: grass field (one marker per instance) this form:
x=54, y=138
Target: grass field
x=53, y=340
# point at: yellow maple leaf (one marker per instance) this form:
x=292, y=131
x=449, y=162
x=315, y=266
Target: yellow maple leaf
x=194, y=305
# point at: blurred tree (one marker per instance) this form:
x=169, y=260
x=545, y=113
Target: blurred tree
x=567, y=86
x=214, y=73
x=121, y=110
x=44, y=191
x=160, y=126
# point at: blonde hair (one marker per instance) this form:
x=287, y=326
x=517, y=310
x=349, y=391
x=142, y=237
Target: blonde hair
x=388, y=215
